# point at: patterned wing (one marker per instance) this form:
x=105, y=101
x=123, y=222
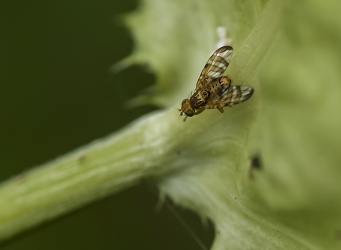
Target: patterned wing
x=234, y=95
x=216, y=65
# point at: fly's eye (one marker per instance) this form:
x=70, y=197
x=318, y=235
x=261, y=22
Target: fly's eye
x=205, y=93
x=189, y=113
x=184, y=100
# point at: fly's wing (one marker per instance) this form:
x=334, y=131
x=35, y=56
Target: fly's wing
x=216, y=65
x=234, y=95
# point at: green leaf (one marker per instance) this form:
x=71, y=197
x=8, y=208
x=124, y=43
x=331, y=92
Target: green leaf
x=291, y=122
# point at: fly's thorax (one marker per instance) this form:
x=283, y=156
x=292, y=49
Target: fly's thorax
x=199, y=97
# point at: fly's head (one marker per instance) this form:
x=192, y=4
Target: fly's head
x=186, y=108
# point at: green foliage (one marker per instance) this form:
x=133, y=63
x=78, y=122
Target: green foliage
x=289, y=52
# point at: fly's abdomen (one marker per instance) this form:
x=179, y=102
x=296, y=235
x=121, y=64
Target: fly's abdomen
x=217, y=86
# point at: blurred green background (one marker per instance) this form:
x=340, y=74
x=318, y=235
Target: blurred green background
x=57, y=93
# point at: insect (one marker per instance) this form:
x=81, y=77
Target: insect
x=214, y=90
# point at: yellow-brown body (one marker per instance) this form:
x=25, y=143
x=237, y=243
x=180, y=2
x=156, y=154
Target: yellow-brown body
x=213, y=90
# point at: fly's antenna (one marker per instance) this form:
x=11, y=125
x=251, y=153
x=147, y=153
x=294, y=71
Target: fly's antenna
x=179, y=111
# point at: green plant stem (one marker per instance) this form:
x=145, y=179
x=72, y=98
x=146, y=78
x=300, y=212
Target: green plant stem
x=87, y=174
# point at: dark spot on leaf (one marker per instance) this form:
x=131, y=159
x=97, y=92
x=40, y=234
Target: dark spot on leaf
x=256, y=162
x=81, y=159
x=256, y=165
x=20, y=178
